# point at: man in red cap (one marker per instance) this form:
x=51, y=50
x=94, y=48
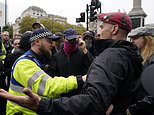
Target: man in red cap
x=113, y=77
x=119, y=19
x=119, y=22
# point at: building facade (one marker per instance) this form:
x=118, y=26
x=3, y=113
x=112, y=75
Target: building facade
x=39, y=14
x=2, y=15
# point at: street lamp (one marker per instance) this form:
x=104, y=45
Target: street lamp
x=5, y=12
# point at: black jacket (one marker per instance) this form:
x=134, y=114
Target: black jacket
x=113, y=77
x=149, y=61
x=77, y=64
x=3, y=86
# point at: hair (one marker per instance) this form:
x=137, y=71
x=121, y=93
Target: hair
x=32, y=43
x=16, y=39
x=5, y=32
x=148, y=49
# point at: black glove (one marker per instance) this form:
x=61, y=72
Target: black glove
x=143, y=107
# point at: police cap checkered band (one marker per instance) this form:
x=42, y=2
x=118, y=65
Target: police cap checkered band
x=42, y=33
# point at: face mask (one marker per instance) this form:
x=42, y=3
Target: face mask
x=88, y=43
x=69, y=48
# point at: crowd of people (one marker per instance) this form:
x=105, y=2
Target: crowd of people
x=70, y=74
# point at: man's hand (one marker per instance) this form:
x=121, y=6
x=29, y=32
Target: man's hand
x=31, y=100
x=84, y=78
x=82, y=45
x=128, y=112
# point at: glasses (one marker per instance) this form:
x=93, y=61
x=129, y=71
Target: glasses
x=6, y=35
x=16, y=44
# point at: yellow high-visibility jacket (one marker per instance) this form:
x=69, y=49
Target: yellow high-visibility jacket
x=2, y=51
x=27, y=72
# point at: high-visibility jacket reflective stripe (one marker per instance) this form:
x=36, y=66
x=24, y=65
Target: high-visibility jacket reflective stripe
x=16, y=88
x=42, y=83
x=31, y=80
x=34, y=77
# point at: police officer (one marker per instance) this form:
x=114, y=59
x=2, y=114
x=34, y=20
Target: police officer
x=27, y=71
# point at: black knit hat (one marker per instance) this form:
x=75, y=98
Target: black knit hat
x=24, y=43
x=88, y=34
x=59, y=34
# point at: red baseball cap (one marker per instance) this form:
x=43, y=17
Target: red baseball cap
x=121, y=19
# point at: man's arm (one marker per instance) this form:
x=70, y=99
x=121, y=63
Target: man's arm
x=31, y=100
x=41, y=83
x=97, y=93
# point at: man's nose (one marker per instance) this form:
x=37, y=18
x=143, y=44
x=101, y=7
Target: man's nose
x=18, y=45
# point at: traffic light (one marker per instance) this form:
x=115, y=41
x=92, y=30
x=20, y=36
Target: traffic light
x=98, y=5
x=77, y=20
x=95, y=4
x=82, y=19
x=92, y=13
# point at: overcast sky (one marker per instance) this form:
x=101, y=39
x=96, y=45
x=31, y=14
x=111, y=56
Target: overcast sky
x=72, y=8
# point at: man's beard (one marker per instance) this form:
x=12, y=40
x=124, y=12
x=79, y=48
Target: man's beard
x=44, y=52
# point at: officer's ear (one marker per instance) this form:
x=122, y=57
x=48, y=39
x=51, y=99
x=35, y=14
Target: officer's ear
x=38, y=41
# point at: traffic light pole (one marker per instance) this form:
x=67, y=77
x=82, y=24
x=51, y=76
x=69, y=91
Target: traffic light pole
x=87, y=9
